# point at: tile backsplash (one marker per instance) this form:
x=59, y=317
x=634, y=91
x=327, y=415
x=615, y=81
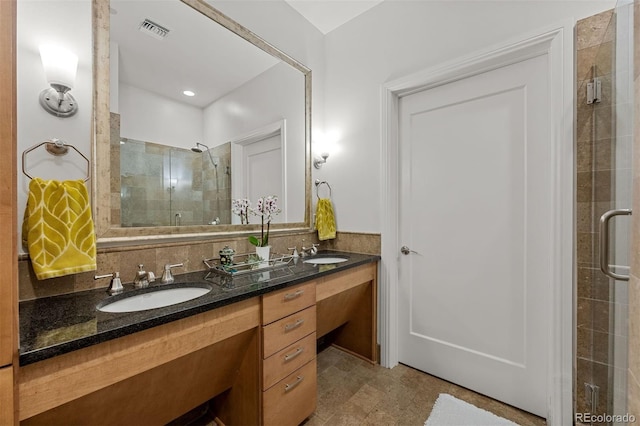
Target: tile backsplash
x=126, y=259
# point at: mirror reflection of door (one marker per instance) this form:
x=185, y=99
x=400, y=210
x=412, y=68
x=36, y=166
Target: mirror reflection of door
x=257, y=169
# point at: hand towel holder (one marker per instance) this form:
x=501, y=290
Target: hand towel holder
x=54, y=147
x=318, y=183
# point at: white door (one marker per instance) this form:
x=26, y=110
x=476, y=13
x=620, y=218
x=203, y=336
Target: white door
x=475, y=207
x=263, y=168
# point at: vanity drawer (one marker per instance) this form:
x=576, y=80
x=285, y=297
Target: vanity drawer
x=288, y=360
x=292, y=399
x=288, y=330
x=287, y=301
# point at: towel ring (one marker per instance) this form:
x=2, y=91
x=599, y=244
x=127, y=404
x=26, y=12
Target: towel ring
x=324, y=182
x=54, y=147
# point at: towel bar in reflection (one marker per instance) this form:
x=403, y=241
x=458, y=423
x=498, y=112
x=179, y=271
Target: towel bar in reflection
x=54, y=147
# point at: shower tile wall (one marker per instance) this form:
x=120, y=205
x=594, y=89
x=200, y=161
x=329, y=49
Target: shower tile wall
x=159, y=185
x=595, y=191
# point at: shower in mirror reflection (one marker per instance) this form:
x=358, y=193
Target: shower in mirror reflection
x=214, y=160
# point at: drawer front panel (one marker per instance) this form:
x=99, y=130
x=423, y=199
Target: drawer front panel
x=292, y=399
x=288, y=330
x=289, y=359
x=287, y=301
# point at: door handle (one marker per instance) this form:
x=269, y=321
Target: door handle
x=406, y=250
x=604, y=243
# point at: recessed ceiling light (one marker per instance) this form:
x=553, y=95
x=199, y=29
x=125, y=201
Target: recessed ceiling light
x=188, y=93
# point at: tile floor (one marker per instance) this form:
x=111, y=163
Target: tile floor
x=354, y=392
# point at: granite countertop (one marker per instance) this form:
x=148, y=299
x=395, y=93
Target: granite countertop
x=52, y=326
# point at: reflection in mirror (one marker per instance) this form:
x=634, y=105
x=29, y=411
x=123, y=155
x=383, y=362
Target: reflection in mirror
x=178, y=78
x=162, y=185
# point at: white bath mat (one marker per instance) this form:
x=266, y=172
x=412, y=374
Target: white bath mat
x=450, y=411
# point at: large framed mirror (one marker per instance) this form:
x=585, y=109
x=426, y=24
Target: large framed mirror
x=193, y=110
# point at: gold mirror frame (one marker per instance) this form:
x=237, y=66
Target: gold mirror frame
x=109, y=235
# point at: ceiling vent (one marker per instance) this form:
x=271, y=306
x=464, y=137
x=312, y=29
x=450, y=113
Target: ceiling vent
x=154, y=30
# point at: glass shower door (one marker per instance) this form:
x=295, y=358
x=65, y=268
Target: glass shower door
x=611, y=109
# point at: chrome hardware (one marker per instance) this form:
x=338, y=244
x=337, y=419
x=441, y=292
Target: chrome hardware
x=294, y=251
x=288, y=387
x=289, y=357
x=406, y=250
x=115, y=286
x=289, y=327
x=594, y=91
x=604, y=243
x=143, y=278
x=318, y=183
x=591, y=395
x=167, y=276
x=309, y=251
x=295, y=295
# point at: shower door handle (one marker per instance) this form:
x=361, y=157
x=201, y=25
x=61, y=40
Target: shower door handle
x=604, y=243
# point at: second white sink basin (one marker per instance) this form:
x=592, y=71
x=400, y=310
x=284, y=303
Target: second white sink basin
x=154, y=299
x=328, y=260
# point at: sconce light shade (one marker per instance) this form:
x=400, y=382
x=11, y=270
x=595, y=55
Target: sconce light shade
x=60, y=67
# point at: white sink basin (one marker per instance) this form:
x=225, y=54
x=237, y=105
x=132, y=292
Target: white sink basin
x=329, y=260
x=155, y=299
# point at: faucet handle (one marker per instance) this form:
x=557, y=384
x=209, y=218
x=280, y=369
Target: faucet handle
x=167, y=276
x=140, y=274
x=115, y=286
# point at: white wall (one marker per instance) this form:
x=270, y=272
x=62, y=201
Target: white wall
x=394, y=39
x=275, y=94
x=148, y=117
x=39, y=22
x=290, y=32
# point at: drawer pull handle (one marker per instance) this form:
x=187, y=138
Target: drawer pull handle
x=295, y=295
x=289, y=327
x=288, y=386
x=289, y=357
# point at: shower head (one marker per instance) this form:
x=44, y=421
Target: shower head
x=199, y=150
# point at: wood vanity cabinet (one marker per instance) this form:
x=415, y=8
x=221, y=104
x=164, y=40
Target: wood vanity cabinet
x=289, y=376
x=153, y=376
x=346, y=304
x=8, y=215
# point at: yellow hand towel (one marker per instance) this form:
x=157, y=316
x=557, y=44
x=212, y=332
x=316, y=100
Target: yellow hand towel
x=325, y=220
x=58, y=228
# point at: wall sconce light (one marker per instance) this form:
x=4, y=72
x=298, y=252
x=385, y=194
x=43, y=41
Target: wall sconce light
x=60, y=67
x=317, y=162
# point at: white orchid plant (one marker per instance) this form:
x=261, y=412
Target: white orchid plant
x=266, y=208
x=241, y=207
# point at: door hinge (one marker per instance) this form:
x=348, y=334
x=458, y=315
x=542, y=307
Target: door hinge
x=594, y=91
x=591, y=394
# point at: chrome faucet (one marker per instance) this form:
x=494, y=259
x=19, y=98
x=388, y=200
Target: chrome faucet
x=115, y=286
x=309, y=251
x=143, y=278
x=167, y=276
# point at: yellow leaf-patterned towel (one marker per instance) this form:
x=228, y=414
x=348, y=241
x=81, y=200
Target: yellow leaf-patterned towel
x=325, y=220
x=58, y=228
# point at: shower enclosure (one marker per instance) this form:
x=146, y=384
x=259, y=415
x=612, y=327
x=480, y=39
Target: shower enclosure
x=169, y=186
x=604, y=175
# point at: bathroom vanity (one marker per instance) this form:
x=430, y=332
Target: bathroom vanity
x=249, y=348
